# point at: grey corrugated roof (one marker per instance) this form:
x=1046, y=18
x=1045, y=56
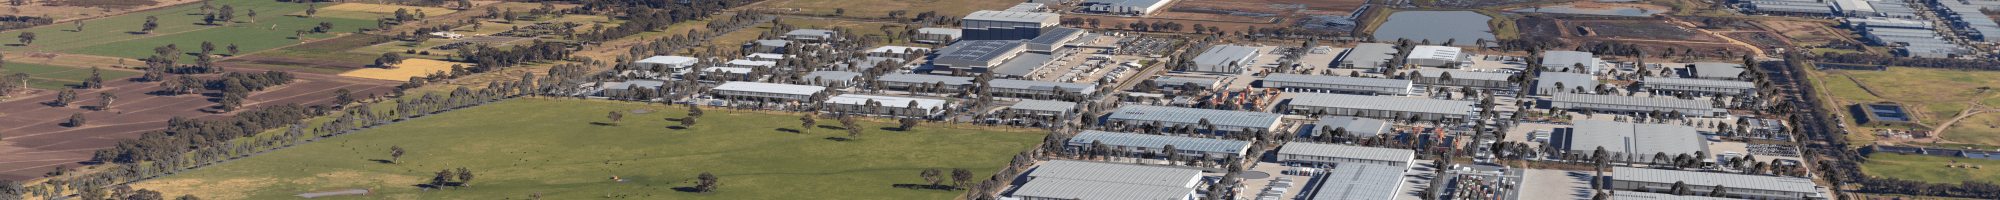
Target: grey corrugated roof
x=1356, y=181
x=1561, y=59
x=1093, y=190
x=1365, y=53
x=1637, y=101
x=1044, y=105
x=1194, y=116
x=1338, y=80
x=810, y=32
x=1083, y=88
x=1344, y=151
x=833, y=75
x=1635, y=195
x=1631, y=138
x=1793, y=8
x=1115, y=173
x=1161, y=141
x=1421, y=105
x=1178, y=80
x=1715, y=69
x=1055, y=36
x=1010, y=16
x=775, y=43
x=668, y=60
x=947, y=31
x=1700, y=82
x=1025, y=7
x=1125, y=3
x=1463, y=75
x=1363, y=127
x=1569, y=80
x=978, y=50
x=925, y=78
x=1758, y=182
x=1023, y=64
x=1222, y=54
x=770, y=88
x=647, y=84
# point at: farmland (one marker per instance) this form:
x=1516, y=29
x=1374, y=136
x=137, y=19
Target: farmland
x=1929, y=168
x=410, y=67
x=566, y=149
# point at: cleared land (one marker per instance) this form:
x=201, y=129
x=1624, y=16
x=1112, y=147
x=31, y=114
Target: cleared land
x=1806, y=33
x=1257, y=10
x=1929, y=168
x=403, y=72
x=55, y=78
x=522, y=146
x=880, y=8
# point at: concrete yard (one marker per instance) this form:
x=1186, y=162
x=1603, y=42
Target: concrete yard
x=1556, y=184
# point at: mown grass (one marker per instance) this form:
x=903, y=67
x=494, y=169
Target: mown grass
x=1929, y=168
x=171, y=20
x=555, y=147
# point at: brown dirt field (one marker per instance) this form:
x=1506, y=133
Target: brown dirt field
x=1760, y=39
x=253, y=60
x=1315, y=7
x=1805, y=33
x=1540, y=28
x=36, y=142
x=1646, y=29
x=1210, y=16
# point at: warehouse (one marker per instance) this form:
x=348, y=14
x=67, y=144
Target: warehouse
x=1006, y=25
x=937, y=35
x=1438, y=56
x=1700, y=183
x=1379, y=107
x=1022, y=65
x=1461, y=78
x=1713, y=70
x=897, y=51
x=1042, y=108
x=1128, y=7
x=1862, y=23
x=1339, y=155
x=1564, y=61
x=1359, y=182
x=675, y=62
x=769, y=91
x=1225, y=121
x=811, y=35
x=1021, y=88
x=1187, y=146
x=627, y=88
x=1704, y=87
x=766, y=46
x=1564, y=82
x=1852, y=7
x=1320, y=83
x=1055, y=39
x=1356, y=126
x=750, y=63
x=893, y=105
x=977, y=55
x=1368, y=56
x=824, y=78
x=1788, y=7
x=1661, y=196
x=1027, y=7
x=1181, y=82
x=1224, y=59
x=1631, y=104
x=1071, y=179
x=1630, y=138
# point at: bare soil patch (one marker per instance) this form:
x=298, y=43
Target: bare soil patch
x=1760, y=39
x=267, y=61
x=1656, y=30
x=1806, y=33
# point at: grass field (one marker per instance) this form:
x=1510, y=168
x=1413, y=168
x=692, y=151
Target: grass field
x=334, y=49
x=1929, y=168
x=247, y=40
x=1941, y=111
x=403, y=72
x=54, y=77
x=171, y=20
x=1977, y=129
x=555, y=149
x=390, y=10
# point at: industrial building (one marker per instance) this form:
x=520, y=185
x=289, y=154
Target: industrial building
x=1367, y=56
x=628, y=87
x=1380, y=107
x=1699, y=86
x=1742, y=186
x=1224, y=59
x=1965, y=16
x=1042, y=107
x=767, y=57
x=1055, y=38
x=937, y=35
x=1852, y=7
x=1323, y=83
x=1790, y=7
x=1181, y=82
x=750, y=63
x=812, y=35
x=892, y=105
x=1565, y=61
x=1027, y=7
x=1713, y=70
x=1126, y=7
x=977, y=55
x=1341, y=155
x=675, y=62
x=1461, y=78
x=1862, y=23
x=1006, y=25
x=766, y=46
x=825, y=78
x=1438, y=56
x=1022, y=65
x=1356, y=126
x=1893, y=9
x=1563, y=82
x=1632, y=104
x=1224, y=120
x=766, y=91
x=1661, y=196
x=1186, y=146
x=1630, y=138
x=1071, y=179
x=1008, y=87
x=1354, y=181
x=897, y=51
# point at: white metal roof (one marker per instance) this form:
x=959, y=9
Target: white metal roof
x=1463, y=75
x=1043, y=105
x=887, y=101
x=1357, y=181
x=896, y=49
x=1636, y=101
x=1094, y=190
x=1632, y=138
x=1435, y=52
x=1337, y=80
x=753, y=63
x=669, y=60
x=1025, y=7
x=1564, y=59
x=1405, y=104
x=770, y=88
x=1369, y=54
x=1222, y=54
x=1010, y=16
x=1569, y=80
x=1759, y=182
x=1364, y=127
x=1195, y=115
x=1155, y=142
x=1700, y=82
x=1115, y=173
x=833, y=75
x=1344, y=151
x=1635, y=195
x=732, y=70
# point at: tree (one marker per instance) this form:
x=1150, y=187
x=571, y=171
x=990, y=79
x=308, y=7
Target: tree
x=152, y=22
x=687, y=122
x=144, y=194
x=64, y=97
x=390, y=58
x=104, y=100
x=188, y=197
x=396, y=154
x=310, y=9
x=960, y=176
x=340, y=96
x=694, y=111
x=27, y=38
x=442, y=177
x=1172, y=153
x=907, y=123
x=232, y=49
x=76, y=120
x=1720, y=191
x=807, y=123
x=1679, y=188
x=707, y=182
x=839, y=11
x=854, y=132
x=615, y=116
x=207, y=47
x=932, y=176
x=464, y=177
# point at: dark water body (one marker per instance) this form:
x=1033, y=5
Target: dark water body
x=1437, y=26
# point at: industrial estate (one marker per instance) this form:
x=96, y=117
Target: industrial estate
x=1000, y=100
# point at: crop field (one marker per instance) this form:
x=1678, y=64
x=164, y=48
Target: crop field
x=331, y=49
x=567, y=149
x=289, y=23
x=403, y=72
x=55, y=78
x=1929, y=168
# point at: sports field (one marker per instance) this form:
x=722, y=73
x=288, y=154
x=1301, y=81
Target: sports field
x=556, y=147
x=53, y=77
x=403, y=72
x=1929, y=168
